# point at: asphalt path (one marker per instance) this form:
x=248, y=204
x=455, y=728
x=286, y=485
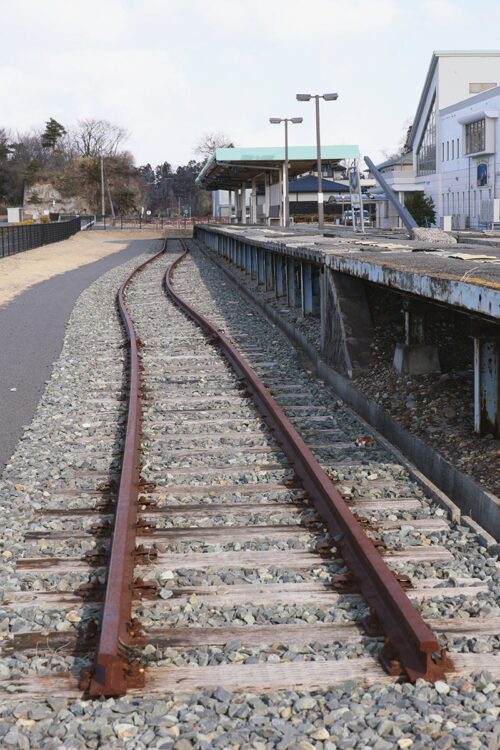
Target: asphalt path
x=32, y=329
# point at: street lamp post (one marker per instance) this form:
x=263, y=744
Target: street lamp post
x=327, y=98
x=286, y=201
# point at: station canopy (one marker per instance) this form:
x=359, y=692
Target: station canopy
x=229, y=168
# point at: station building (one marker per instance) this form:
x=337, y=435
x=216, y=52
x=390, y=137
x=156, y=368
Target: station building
x=453, y=143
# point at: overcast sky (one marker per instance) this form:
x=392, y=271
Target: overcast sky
x=170, y=70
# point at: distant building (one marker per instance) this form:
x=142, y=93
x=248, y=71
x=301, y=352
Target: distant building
x=453, y=140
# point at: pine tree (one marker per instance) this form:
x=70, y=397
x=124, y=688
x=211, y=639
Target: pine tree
x=53, y=132
x=422, y=208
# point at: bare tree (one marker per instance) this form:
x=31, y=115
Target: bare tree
x=210, y=141
x=97, y=138
x=402, y=147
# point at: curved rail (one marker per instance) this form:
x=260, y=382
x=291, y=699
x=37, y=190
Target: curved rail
x=113, y=673
x=411, y=648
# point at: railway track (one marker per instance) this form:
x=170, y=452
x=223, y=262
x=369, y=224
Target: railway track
x=206, y=547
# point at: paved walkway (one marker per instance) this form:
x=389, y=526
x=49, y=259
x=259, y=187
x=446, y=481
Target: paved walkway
x=32, y=327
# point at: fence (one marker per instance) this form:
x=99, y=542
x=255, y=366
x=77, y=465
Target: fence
x=16, y=239
x=153, y=222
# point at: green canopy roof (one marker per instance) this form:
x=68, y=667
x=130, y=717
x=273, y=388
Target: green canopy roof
x=228, y=168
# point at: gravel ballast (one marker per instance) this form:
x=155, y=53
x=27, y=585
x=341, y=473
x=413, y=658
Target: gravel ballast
x=461, y=714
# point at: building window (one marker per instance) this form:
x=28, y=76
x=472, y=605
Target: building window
x=475, y=136
x=447, y=151
x=458, y=148
x=426, y=152
x=453, y=149
x=442, y=151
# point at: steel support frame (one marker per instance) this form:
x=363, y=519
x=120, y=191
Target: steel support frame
x=261, y=266
x=487, y=385
x=253, y=262
x=414, y=323
x=306, y=288
x=270, y=275
x=280, y=275
x=290, y=283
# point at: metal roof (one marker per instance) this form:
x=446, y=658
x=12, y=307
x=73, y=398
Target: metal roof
x=309, y=184
x=228, y=168
x=402, y=159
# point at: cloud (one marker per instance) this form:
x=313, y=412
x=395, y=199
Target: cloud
x=290, y=20
x=170, y=70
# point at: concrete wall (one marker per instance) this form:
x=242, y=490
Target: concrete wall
x=458, y=71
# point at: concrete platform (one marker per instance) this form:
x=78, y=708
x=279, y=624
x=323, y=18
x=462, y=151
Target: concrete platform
x=465, y=276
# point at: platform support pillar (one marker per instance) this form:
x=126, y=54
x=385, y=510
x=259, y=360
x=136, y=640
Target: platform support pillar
x=269, y=272
x=254, y=262
x=243, y=204
x=282, y=213
x=266, y=197
x=486, y=379
x=306, y=288
x=236, y=206
x=280, y=276
x=261, y=266
x=254, y=201
x=414, y=356
x=290, y=282
x=229, y=211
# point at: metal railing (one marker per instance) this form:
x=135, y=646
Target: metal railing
x=152, y=222
x=16, y=239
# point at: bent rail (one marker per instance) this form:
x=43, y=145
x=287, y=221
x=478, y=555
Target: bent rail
x=113, y=672
x=411, y=645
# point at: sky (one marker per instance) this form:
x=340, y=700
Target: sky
x=170, y=71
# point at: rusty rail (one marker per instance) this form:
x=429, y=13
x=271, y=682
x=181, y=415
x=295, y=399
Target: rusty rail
x=411, y=647
x=113, y=672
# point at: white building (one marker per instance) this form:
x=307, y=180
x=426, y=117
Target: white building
x=454, y=137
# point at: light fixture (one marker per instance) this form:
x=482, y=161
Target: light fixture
x=285, y=198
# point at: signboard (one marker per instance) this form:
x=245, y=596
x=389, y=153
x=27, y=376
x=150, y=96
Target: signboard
x=482, y=174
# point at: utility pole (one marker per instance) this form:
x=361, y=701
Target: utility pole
x=103, y=206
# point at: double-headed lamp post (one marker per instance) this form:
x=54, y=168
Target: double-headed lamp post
x=327, y=98
x=286, y=202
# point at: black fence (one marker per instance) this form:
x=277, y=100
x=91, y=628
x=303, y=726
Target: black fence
x=27, y=236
